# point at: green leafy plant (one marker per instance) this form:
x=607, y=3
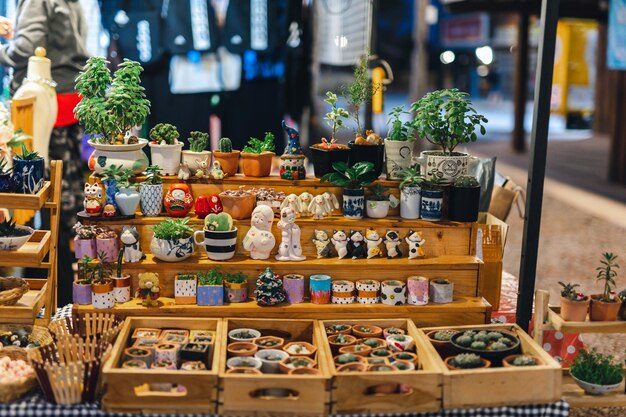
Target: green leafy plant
x=596, y=368
x=120, y=257
x=359, y=175
x=8, y=229
x=607, y=273
x=172, y=229
x=257, y=146
x=524, y=360
x=112, y=172
x=466, y=181
x=410, y=177
x=334, y=116
x=447, y=119
x=198, y=141
x=467, y=361
x=236, y=278
x=359, y=91
x=124, y=179
x=483, y=340
x=86, y=269
x=27, y=155
x=398, y=130
x=225, y=145
x=153, y=176
x=221, y=222
x=378, y=193
x=103, y=269
x=164, y=134
x=569, y=291
x=213, y=276
x=433, y=184
x=347, y=358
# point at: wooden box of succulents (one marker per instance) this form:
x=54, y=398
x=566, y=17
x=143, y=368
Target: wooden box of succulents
x=380, y=366
x=483, y=366
x=164, y=365
x=272, y=367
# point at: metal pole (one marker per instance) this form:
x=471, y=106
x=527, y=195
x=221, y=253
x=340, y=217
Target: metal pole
x=521, y=80
x=537, y=160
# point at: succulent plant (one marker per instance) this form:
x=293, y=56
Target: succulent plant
x=153, y=176
x=221, y=222
x=198, y=141
x=444, y=335
x=27, y=155
x=371, y=343
x=164, y=134
x=494, y=335
x=171, y=229
x=524, y=360
x=479, y=345
x=341, y=338
x=256, y=146
x=225, y=145
x=215, y=276
x=464, y=340
x=466, y=181
x=381, y=353
x=467, y=361
x=8, y=229
x=498, y=346
x=347, y=358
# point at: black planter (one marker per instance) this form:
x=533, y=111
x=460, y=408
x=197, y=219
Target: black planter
x=8, y=183
x=368, y=153
x=29, y=174
x=463, y=204
x=323, y=160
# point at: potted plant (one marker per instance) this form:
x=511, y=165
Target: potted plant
x=464, y=199
x=295, y=362
x=523, y=359
x=121, y=282
x=81, y=287
x=344, y=358
x=244, y=362
x=352, y=367
x=596, y=373
x=236, y=287
x=151, y=192
x=440, y=339
x=493, y=345
x=219, y=237
x=28, y=171
x=359, y=349
x=410, y=192
x=574, y=305
x=8, y=183
x=102, y=296
x=197, y=152
x=107, y=243
x=111, y=177
x=127, y=198
x=210, y=287
x=85, y=240
x=398, y=144
x=400, y=342
x=446, y=119
x=269, y=342
x=300, y=349
x=431, y=208
x=227, y=157
x=238, y=203
x=109, y=108
x=605, y=306
x=377, y=202
x=466, y=361
x=185, y=289
x=165, y=149
x=340, y=340
x=257, y=156
x=242, y=349
x=366, y=330
x=271, y=359
x=243, y=335
x=338, y=328
x=172, y=240
x=352, y=180
x=441, y=291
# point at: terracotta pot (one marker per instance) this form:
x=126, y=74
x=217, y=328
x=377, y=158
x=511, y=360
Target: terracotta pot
x=353, y=358
x=405, y=357
x=239, y=207
x=277, y=342
x=374, y=331
x=285, y=368
x=443, y=347
x=352, y=367
x=486, y=363
x=244, y=371
x=574, y=310
x=228, y=160
x=241, y=349
x=305, y=371
x=334, y=346
x=257, y=165
x=380, y=343
x=603, y=311
x=364, y=350
x=312, y=349
x=508, y=361
x=345, y=329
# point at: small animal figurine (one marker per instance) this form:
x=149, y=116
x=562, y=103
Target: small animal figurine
x=183, y=172
x=373, y=241
x=322, y=244
x=290, y=248
x=203, y=168
x=340, y=242
x=94, y=199
x=356, y=245
x=392, y=244
x=216, y=171
x=293, y=141
x=318, y=207
x=415, y=242
x=178, y=200
x=291, y=201
x=305, y=200
x=259, y=240
x=130, y=241
x=331, y=201
x=148, y=290
x=109, y=211
x=215, y=204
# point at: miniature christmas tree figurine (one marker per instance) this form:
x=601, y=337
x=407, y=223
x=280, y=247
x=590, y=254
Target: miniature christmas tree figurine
x=269, y=289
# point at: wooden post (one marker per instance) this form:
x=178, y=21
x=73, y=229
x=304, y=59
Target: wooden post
x=542, y=297
x=520, y=89
x=617, y=155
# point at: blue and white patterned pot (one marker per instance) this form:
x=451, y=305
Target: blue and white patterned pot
x=151, y=199
x=174, y=250
x=353, y=203
x=432, y=205
x=29, y=175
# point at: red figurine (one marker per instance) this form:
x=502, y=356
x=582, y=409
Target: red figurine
x=178, y=200
x=202, y=207
x=215, y=204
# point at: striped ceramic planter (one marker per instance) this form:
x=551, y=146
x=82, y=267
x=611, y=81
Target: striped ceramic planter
x=219, y=246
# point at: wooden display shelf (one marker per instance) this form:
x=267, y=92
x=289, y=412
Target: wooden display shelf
x=26, y=309
x=577, y=398
x=464, y=310
x=557, y=322
x=31, y=254
x=26, y=201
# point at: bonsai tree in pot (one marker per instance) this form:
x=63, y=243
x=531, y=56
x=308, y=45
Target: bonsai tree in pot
x=431, y=200
x=464, y=199
x=227, y=157
x=410, y=192
x=165, y=148
x=353, y=180
x=446, y=119
x=378, y=202
x=28, y=171
x=596, y=373
x=12, y=236
x=605, y=306
x=109, y=109
x=151, y=192
x=325, y=153
x=172, y=240
x=127, y=198
x=197, y=152
x=257, y=156
x=398, y=144
x=574, y=305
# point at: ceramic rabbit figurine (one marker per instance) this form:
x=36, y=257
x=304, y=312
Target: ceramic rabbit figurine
x=331, y=202
x=318, y=207
x=305, y=200
x=290, y=248
x=183, y=172
x=259, y=240
x=291, y=201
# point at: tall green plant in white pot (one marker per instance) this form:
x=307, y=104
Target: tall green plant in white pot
x=446, y=119
x=398, y=144
x=410, y=192
x=165, y=148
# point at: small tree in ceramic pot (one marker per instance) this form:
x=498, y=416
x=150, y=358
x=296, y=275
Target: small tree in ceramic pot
x=127, y=198
x=410, y=192
x=165, y=148
x=605, y=306
x=257, y=156
x=197, y=152
x=353, y=180
x=398, y=144
x=227, y=156
x=574, y=304
x=151, y=192
x=326, y=153
x=464, y=199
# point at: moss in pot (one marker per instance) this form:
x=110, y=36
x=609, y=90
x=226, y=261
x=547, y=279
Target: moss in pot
x=595, y=372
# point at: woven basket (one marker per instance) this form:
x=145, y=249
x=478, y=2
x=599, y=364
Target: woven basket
x=11, y=290
x=37, y=334
x=10, y=391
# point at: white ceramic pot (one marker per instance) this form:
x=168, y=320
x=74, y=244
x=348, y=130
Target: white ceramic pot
x=244, y=362
x=400, y=342
x=193, y=159
x=102, y=296
x=151, y=199
x=410, y=200
x=124, y=156
x=270, y=358
x=167, y=157
x=398, y=156
x=174, y=250
x=233, y=335
x=376, y=209
x=595, y=389
x=121, y=288
x=16, y=242
x=444, y=167
x=127, y=200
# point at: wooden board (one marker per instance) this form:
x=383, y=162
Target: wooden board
x=26, y=309
x=557, y=322
x=492, y=387
x=31, y=254
x=122, y=393
x=424, y=386
x=576, y=397
x=310, y=393
x=464, y=310
x=26, y=201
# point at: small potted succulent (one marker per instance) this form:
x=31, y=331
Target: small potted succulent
x=574, y=304
x=464, y=199
x=374, y=342
x=326, y=153
x=197, y=152
x=466, y=361
x=441, y=291
x=244, y=362
x=151, y=192
x=28, y=171
x=400, y=342
x=102, y=296
x=238, y=203
x=269, y=342
x=596, y=373
x=85, y=240
x=398, y=144
x=81, y=287
x=352, y=180
x=352, y=367
x=388, y=331
x=406, y=357
x=605, y=306
x=243, y=335
x=410, y=192
x=210, y=287
x=523, y=359
x=359, y=349
x=295, y=362
x=431, y=208
x=236, y=285
x=185, y=287
x=172, y=240
x=121, y=282
x=440, y=339
x=200, y=352
x=493, y=345
x=257, y=156
x=271, y=359
x=381, y=353
x=340, y=340
x=366, y=330
x=377, y=203
x=300, y=349
x=226, y=156
x=345, y=358
x=338, y=328
x=108, y=243
x=219, y=237
x=165, y=148
x=241, y=349
x=127, y=197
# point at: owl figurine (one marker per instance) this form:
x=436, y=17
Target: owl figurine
x=178, y=200
x=94, y=199
x=215, y=204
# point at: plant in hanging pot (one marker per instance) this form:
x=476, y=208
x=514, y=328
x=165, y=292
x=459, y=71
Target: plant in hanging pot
x=446, y=119
x=226, y=156
x=257, y=156
x=326, y=153
x=377, y=203
x=102, y=285
x=219, y=237
x=574, y=305
x=151, y=192
x=85, y=240
x=197, y=152
x=210, y=287
x=410, y=192
x=464, y=199
x=431, y=207
x=127, y=198
x=28, y=171
x=172, y=240
x=595, y=372
x=81, y=287
x=236, y=287
x=165, y=149
x=353, y=180
x=398, y=144
x=109, y=108
x=121, y=282
x=605, y=306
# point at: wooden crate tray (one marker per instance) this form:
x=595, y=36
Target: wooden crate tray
x=240, y=394
x=493, y=387
x=555, y=319
x=26, y=201
x=31, y=254
x=465, y=310
x=349, y=389
x=27, y=308
x=125, y=388
x=577, y=398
